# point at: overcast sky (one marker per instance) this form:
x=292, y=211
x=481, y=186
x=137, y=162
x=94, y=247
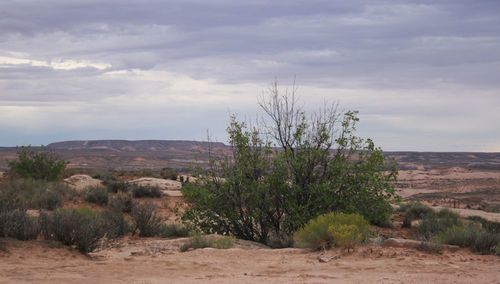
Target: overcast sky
x=424, y=75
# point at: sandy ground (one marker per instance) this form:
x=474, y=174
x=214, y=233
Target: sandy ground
x=136, y=262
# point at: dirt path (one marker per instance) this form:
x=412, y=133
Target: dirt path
x=35, y=262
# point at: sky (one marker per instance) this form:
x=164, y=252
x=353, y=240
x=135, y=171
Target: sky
x=424, y=75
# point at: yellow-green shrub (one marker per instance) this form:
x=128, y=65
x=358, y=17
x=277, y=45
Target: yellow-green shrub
x=345, y=236
x=319, y=232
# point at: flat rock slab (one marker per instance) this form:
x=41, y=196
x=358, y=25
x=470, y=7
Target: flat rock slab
x=164, y=184
x=80, y=182
x=405, y=243
x=172, y=193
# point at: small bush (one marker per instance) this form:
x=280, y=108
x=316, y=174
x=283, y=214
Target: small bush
x=446, y=213
x=51, y=200
x=168, y=173
x=105, y=176
x=114, y=223
x=146, y=173
x=82, y=228
x=489, y=226
x=97, y=195
x=430, y=247
x=139, y=191
x=486, y=243
x=462, y=235
x=223, y=243
x=198, y=241
x=174, y=230
x=414, y=211
x=204, y=241
x=315, y=234
x=432, y=225
x=145, y=219
x=345, y=236
x=446, y=227
x=122, y=202
x=116, y=186
x=20, y=225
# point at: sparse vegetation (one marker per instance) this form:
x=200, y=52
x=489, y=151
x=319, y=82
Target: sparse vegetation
x=146, y=221
x=122, y=202
x=204, y=241
x=117, y=186
x=486, y=243
x=414, y=211
x=168, y=173
x=115, y=224
x=18, y=224
x=38, y=165
x=174, y=230
x=98, y=195
x=446, y=227
x=36, y=194
x=105, y=176
x=489, y=226
x=82, y=228
x=435, y=224
x=430, y=247
x=139, y=191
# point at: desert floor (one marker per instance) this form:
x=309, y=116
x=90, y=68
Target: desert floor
x=159, y=261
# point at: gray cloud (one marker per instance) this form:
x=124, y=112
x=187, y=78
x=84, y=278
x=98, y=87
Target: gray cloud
x=111, y=67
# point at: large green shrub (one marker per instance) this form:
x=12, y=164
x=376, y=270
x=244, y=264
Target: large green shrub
x=333, y=229
x=295, y=168
x=39, y=165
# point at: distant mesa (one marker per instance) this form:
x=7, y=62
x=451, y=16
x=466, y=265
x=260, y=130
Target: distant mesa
x=131, y=145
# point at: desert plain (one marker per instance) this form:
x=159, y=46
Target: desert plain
x=467, y=190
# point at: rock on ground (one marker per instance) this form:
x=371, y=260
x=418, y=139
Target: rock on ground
x=80, y=182
x=163, y=184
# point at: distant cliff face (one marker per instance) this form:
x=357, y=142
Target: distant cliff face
x=132, y=146
x=178, y=154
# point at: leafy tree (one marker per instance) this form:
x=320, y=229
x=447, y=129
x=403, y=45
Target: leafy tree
x=289, y=170
x=38, y=165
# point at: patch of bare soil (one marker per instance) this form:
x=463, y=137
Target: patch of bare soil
x=159, y=261
x=452, y=187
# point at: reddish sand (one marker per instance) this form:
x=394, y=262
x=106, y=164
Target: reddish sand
x=159, y=261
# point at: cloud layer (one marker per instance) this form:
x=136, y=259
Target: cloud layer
x=424, y=74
